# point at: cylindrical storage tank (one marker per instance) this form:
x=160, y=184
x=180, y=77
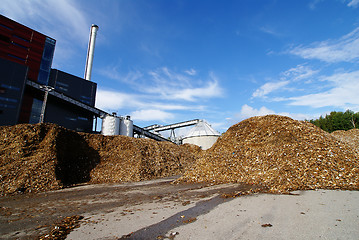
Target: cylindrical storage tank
x=110, y=125
x=202, y=135
x=126, y=126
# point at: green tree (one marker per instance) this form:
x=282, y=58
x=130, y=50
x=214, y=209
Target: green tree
x=338, y=121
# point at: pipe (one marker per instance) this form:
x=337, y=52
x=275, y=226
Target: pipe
x=90, y=52
x=47, y=90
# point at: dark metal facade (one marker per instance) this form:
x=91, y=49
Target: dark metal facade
x=65, y=113
x=12, y=85
x=74, y=87
x=26, y=57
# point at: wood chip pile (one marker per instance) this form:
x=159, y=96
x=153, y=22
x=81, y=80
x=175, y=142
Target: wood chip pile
x=134, y=159
x=351, y=137
x=45, y=157
x=273, y=151
x=27, y=158
x=280, y=153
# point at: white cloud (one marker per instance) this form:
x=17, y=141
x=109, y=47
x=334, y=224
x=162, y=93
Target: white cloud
x=344, y=93
x=344, y=49
x=191, y=72
x=313, y=4
x=267, y=88
x=165, y=80
x=248, y=111
x=300, y=72
x=114, y=101
x=131, y=78
x=168, y=85
x=151, y=115
x=160, y=89
x=289, y=82
x=270, y=30
x=109, y=100
x=192, y=94
x=165, y=84
x=353, y=3
x=61, y=20
x=52, y=16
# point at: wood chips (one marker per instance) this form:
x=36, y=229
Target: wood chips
x=44, y=157
x=125, y=159
x=351, y=137
x=275, y=152
x=279, y=153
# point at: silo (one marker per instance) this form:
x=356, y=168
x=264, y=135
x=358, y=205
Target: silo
x=110, y=125
x=202, y=135
x=126, y=126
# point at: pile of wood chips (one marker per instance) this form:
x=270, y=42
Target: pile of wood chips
x=44, y=157
x=276, y=152
x=351, y=137
x=125, y=159
x=27, y=158
x=279, y=153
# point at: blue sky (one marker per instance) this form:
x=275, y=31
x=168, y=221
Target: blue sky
x=163, y=61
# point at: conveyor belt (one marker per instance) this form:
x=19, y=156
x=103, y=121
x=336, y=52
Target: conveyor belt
x=97, y=112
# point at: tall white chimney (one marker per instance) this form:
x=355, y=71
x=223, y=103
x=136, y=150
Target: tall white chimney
x=90, y=52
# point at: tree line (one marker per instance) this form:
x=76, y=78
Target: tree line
x=338, y=121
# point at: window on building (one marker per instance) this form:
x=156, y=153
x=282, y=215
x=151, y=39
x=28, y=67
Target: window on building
x=35, y=111
x=46, y=61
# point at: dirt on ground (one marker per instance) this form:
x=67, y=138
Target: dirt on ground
x=280, y=153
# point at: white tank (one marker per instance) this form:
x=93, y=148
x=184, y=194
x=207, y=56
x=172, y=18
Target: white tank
x=202, y=135
x=110, y=125
x=126, y=126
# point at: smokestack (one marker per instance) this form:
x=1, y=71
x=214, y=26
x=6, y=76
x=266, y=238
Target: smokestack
x=90, y=52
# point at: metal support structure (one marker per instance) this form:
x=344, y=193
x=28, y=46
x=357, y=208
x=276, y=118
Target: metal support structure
x=158, y=128
x=154, y=126
x=173, y=135
x=95, y=111
x=47, y=90
x=142, y=132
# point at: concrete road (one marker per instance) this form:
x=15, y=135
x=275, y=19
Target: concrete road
x=319, y=214
x=160, y=210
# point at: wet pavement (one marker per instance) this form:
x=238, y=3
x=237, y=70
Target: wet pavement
x=27, y=216
x=158, y=209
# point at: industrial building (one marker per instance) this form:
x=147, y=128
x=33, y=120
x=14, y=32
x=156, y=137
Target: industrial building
x=26, y=75
x=28, y=85
x=202, y=135
x=32, y=92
